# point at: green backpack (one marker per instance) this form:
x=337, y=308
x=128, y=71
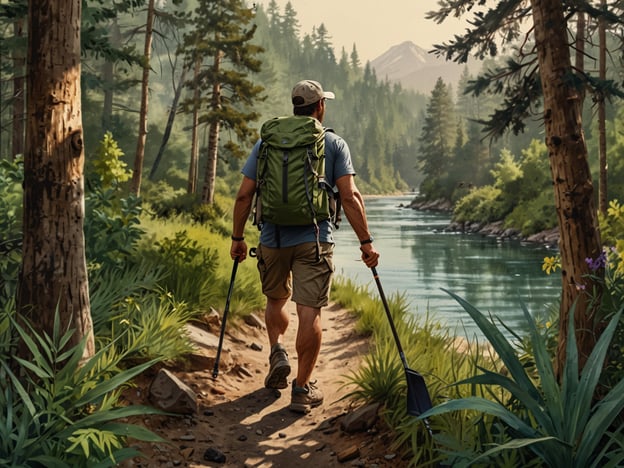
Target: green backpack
x=290, y=180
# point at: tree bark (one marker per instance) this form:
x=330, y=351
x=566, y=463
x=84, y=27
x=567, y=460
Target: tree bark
x=192, y=177
x=578, y=227
x=135, y=186
x=170, y=119
x=54, y=271
x=213, y=137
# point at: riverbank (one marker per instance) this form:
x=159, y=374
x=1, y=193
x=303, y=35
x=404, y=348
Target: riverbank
x=549, y=237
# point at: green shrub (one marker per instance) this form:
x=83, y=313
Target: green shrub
x=112, y=227
x=484, y=204
x=106, y=165
x=560, y=422
x=59, y=411
x=187, y=266
x=533, y=216
x=11, y=178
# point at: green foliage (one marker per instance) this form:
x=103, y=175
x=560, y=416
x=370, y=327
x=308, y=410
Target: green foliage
x=440, y=358
x=167, y=203
x=246, y=296
x=533, y=215
x=111, y=226
x=61, y=411
x=521, y=194
x=436, y=142
x=559, y=422
x=188, y=267
x=107, y=164
x=111, y=288
x=11, y=178
x=224, y=30
x=481, y=205
x=154, y=327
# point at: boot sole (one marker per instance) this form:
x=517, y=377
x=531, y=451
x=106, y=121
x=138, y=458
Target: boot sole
x=278, y=377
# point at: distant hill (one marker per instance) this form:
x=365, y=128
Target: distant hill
x=415, y=68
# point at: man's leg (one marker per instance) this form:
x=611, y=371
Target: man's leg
x=309, y=335
x=276, y=319
x=305, y=395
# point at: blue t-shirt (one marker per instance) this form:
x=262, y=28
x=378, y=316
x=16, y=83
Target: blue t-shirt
x=337, y=164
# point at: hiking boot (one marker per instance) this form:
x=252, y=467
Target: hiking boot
x=279, y=368
x=303, y=399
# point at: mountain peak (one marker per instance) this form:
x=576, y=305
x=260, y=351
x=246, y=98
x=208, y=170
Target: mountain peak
x=414, y=67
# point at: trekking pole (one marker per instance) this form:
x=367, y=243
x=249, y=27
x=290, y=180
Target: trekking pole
x=215, y=371
x=418, y=399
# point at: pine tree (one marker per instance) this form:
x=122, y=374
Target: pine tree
x=436, y=142
x=221, y=42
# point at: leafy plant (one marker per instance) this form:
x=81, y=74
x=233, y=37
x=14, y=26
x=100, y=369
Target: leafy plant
x=59, y=411
x=107, y=164
x=560, y=423
x=441, y=359
x=187, y=266
x=111, y=228
x=11, y=178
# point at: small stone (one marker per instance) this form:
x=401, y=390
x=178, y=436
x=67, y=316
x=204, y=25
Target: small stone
x=242, y=370
x=349, y=453
x=242, y=437
x=390, y=456
x=282, y=435
x=259, y=432
x=187, y=452
x=187, y=437
x=256, y=347
x=214, y=455
x=208, y=412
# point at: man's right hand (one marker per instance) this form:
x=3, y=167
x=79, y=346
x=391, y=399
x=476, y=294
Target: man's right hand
x=369, y=255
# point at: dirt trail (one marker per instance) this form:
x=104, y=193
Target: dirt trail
x=251, y=425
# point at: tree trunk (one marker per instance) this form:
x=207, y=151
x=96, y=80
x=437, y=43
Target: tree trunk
x=170, y=119
x=603, y=201
x=54, y=270
x=578, y=227
x=211, y=164
x=135, y=186
x=213, y=137
x=18, y=93
x=192, y=177
x=579, y=59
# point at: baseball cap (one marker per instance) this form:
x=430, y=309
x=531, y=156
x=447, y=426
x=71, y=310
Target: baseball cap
x=308, y=92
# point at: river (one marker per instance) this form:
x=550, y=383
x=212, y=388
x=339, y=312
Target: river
x=419, y=259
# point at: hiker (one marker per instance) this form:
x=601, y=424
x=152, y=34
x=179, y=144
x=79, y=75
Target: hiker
x=297, y=259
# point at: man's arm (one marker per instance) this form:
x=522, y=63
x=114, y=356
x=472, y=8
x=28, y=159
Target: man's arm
x=242, y=208
x=353, y=205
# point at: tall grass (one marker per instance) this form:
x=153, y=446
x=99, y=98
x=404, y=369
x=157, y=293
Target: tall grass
x=440, y=357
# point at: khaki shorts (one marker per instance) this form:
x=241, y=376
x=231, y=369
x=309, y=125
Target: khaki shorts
x=296, y=270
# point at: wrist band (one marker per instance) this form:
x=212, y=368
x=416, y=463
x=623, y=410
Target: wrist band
x=238, y=239
x=366, y=241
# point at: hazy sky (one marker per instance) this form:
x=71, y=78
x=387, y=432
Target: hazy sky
x=373, y=25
